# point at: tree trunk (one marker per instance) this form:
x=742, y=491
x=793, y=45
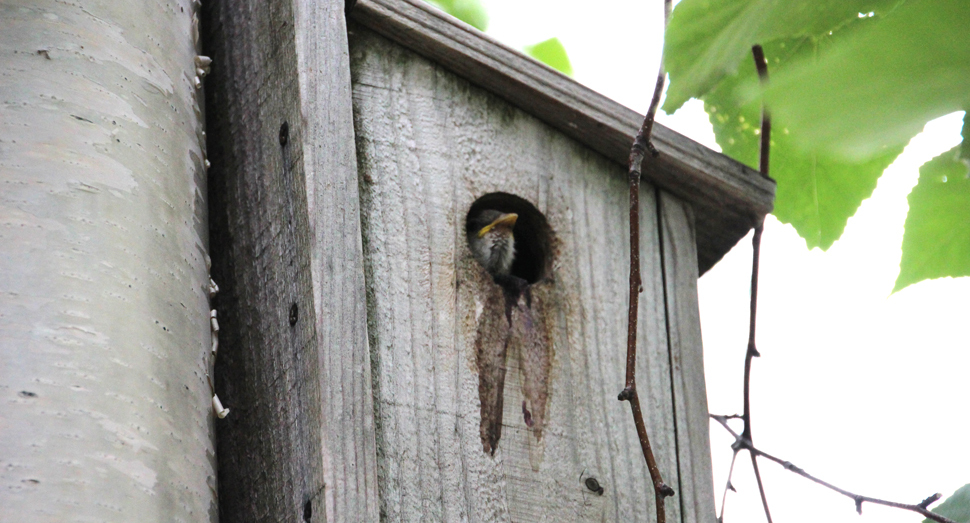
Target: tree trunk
x=104, y=318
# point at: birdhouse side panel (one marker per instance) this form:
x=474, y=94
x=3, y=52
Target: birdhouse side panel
x=687, y=358
x=488, y=409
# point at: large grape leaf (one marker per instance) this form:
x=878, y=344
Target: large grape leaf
x=469, y=11
x=883, y=84
x=955, y=507
x=552, y=53
x=965, y=145
x=816, y=194
x=708, y=39
x=936, y=241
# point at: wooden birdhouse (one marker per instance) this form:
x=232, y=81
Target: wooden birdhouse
x=378, y=371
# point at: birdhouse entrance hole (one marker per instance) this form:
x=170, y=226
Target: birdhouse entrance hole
x=533, y=236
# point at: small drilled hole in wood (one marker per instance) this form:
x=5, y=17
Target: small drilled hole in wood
x=533, y=236
x=594, y=485
x=284, y=133
x=308, y=510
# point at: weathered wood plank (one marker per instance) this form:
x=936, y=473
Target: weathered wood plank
x=349, y=453
x=687, y=358
x=727, y=196
x=268, y=368
x=291, y=234
x=429, y=144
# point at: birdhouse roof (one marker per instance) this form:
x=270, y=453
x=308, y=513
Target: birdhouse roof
x=728, y=197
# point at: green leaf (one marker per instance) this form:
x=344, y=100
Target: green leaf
x=552, y=53
x=708, y=39
x=965, y=145
x=469, y=11
x=955, y=507
x=816, y=194
x=879, y=87
x=936, y=241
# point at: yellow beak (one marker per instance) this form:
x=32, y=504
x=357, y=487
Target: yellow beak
x=506, y=220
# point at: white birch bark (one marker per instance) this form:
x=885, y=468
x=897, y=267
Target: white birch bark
x=105, y=406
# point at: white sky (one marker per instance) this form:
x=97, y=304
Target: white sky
x=867, y=390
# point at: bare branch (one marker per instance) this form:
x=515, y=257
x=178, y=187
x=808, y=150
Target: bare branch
x=642, y=144
x=728, y=486
x=761, y=485
x=930, y=500
x=921, y=507
x=762, y=65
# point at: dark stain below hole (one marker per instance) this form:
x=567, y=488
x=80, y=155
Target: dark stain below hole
x=527, y=333
x=529, y=422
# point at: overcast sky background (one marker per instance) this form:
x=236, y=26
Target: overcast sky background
x=865, y=389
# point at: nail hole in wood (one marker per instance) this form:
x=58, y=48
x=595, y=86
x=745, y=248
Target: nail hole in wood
x=294, y=314
x=307, y=510
x=284, y=133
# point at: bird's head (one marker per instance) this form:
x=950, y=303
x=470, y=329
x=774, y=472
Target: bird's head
x=491, y=240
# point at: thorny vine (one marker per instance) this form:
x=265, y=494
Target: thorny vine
x=744, y=441
x=642, y=144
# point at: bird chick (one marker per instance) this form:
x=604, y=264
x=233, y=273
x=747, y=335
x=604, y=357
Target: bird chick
x=491, y=241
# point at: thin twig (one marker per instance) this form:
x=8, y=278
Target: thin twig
x=761, y=485
x=642, y=144
x=727, y=485
x=762, y=66
x=921, y=507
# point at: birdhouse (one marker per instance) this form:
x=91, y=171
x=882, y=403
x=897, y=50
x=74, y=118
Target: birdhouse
x=383, y=364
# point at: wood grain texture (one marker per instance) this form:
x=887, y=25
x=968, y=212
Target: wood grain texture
x=268, y=367
x=687, y=362
x=105, y=411
x=728, y=198
x=349, y=453
x=429, y=143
